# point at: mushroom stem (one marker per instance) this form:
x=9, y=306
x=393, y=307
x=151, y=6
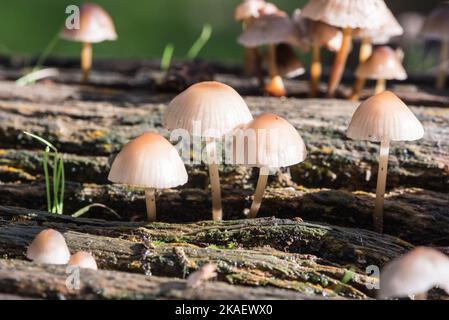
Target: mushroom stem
x=276, y=86
x=315, y=70
x=381, y=85
x=444, y=58
x=217, y=212
x=381, y=183
x=251, y=61
x=339, y=63
x=261, y=184
x=366, y=49
x=86, y=61
x=150, y=199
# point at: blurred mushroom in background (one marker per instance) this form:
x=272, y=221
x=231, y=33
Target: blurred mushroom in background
x=95, y=26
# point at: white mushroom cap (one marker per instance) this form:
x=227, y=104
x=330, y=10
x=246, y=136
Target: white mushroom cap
x=248, y=9
x=271, y=141
x=436, y=26
x=384, y=63
x=384, y=117
x=95, y=26
x=384, y=33
x=84, y=260
x=414, y=273
x=149, y=161
x=347, y=13
x=217, y=107
x=49, y=247
x=269, y=29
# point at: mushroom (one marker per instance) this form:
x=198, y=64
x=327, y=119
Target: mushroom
x=95, y=26
x=267, y=142
x=415, y=273
x=321, y=34
x=348, y=15
x=49, y=247
x=436, y=27
x=150, y=162
x=270, y=30
x=384, y=64
x=84, y=260
x=368, y=37
x=246, y=12
x=288, y=64
x=218, y=108
x=384, y=118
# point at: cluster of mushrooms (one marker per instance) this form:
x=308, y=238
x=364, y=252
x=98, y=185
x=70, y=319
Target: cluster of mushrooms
x=331, y=24
x=151, y=162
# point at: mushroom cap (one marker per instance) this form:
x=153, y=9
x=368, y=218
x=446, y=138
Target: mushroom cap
x=84, y=260
x=248, y=9
x=149, y=161
x=347, y=13
x=288, y=63
x=436, y=26
x=416, y=272
x=322, y=34
x=381, y=35
x=49, y=247
x=384, y=63
x=271, y=142
x=412, y=23
x=217, y=107
x=269, y=29
x=384, y=117
x=95, y=26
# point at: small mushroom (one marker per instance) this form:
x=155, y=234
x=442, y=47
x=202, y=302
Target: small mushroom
x=436, y=27
x=270, y=30
x=414, y=274
x=384, y=64
x=95, y=26
x=150, y=162
x=287, y=62
x=269, y=142
x=84, y=260
x=49, y=247
x=320, y=34
x=384, y=118
x=348, y=15
x=368, y=37
x=218, y=109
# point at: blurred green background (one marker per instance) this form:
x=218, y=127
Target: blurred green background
x=144, y=26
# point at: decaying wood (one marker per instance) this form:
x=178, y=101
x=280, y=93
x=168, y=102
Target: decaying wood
x=49, y=282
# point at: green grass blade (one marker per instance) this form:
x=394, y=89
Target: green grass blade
x=42, y=140
x=47, y=179
x=200, y=42
x=167, y=56
x=55, y=183
x=62, y=181
x=84, y=210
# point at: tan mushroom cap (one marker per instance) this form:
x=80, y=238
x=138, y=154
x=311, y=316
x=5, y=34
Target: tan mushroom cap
x=384, y=33
x=436, y=26
x=84, y=260
x=95, y=26
x=248, y=9
x=416, y=272
x=347, y=13
x=215, y=106
x=384, y=117
x=49, y=247
x=384, y=63
x=271, y=142
x=270, y=29
x=149, y=161
x=322, y=34
x=288, y=63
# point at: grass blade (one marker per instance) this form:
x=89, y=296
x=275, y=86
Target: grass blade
x=167, y=56
x=62, y=181
x=200, y=42
x=47, y=179
x=42, y=140
x=55, y=184
x=84, y=210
